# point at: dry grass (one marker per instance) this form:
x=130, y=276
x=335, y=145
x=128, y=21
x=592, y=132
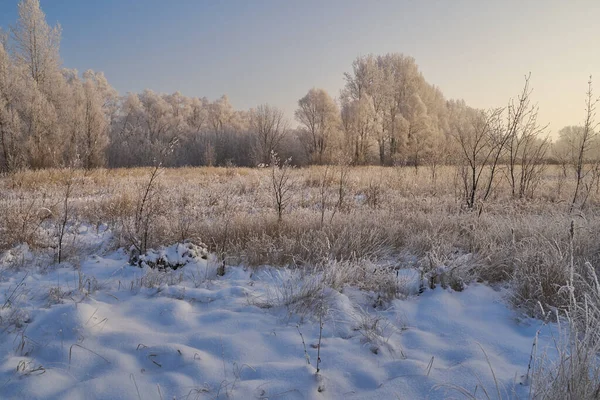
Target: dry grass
x=385, y=214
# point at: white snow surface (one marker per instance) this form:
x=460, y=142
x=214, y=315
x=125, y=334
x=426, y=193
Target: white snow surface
x=205, y=337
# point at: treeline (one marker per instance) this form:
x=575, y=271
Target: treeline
x=386, y=114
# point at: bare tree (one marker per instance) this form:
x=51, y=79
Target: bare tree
x=480, y=139
x=281, y=184
x=532, y=163
x=269, y=127
x=343, y=163
x=147, y=207
x=324, y=193
x=69, y=181
x=220, y=115
x=581, y=149
x=525, y=146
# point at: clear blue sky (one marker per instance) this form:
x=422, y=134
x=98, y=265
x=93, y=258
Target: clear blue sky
x=274, y=51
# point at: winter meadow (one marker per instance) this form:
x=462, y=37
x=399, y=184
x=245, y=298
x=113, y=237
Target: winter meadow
x=378, y=242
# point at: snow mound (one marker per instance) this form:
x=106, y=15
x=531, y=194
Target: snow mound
x=170, y=257
x=190, y=334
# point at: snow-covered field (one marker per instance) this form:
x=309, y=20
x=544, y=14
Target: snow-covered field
x=114, y=331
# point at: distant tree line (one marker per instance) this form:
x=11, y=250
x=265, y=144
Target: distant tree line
x=386, y=114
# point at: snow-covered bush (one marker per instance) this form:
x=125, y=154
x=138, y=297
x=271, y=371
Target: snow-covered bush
x=17, y=257
x=171, y=257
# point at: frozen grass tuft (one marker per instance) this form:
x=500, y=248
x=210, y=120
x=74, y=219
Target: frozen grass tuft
x=299, y=292
x=573, y=371
x=375, y=331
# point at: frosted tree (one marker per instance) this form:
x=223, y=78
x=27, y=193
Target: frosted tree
x=86, y=119
x=237, y=140
x=406, y=114
x=161, y=124
x=320, y=119
x=44, y=141
x=36, y=43
x=73, y=122
x=10, y=123
x=98, y=110
x=440, y=146
x=197, y=118
x=220, y=114
x=419, y=131
x=195, y=138
x=368, y=79
x=126, y=138
x=360, y=122
x=180, y=108
x=109, y=97
x=36, y=53
x=158, y=116
x=207, y=133
x=407, y=108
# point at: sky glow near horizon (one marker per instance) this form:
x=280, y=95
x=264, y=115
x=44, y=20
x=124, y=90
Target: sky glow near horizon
x=268, y=51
